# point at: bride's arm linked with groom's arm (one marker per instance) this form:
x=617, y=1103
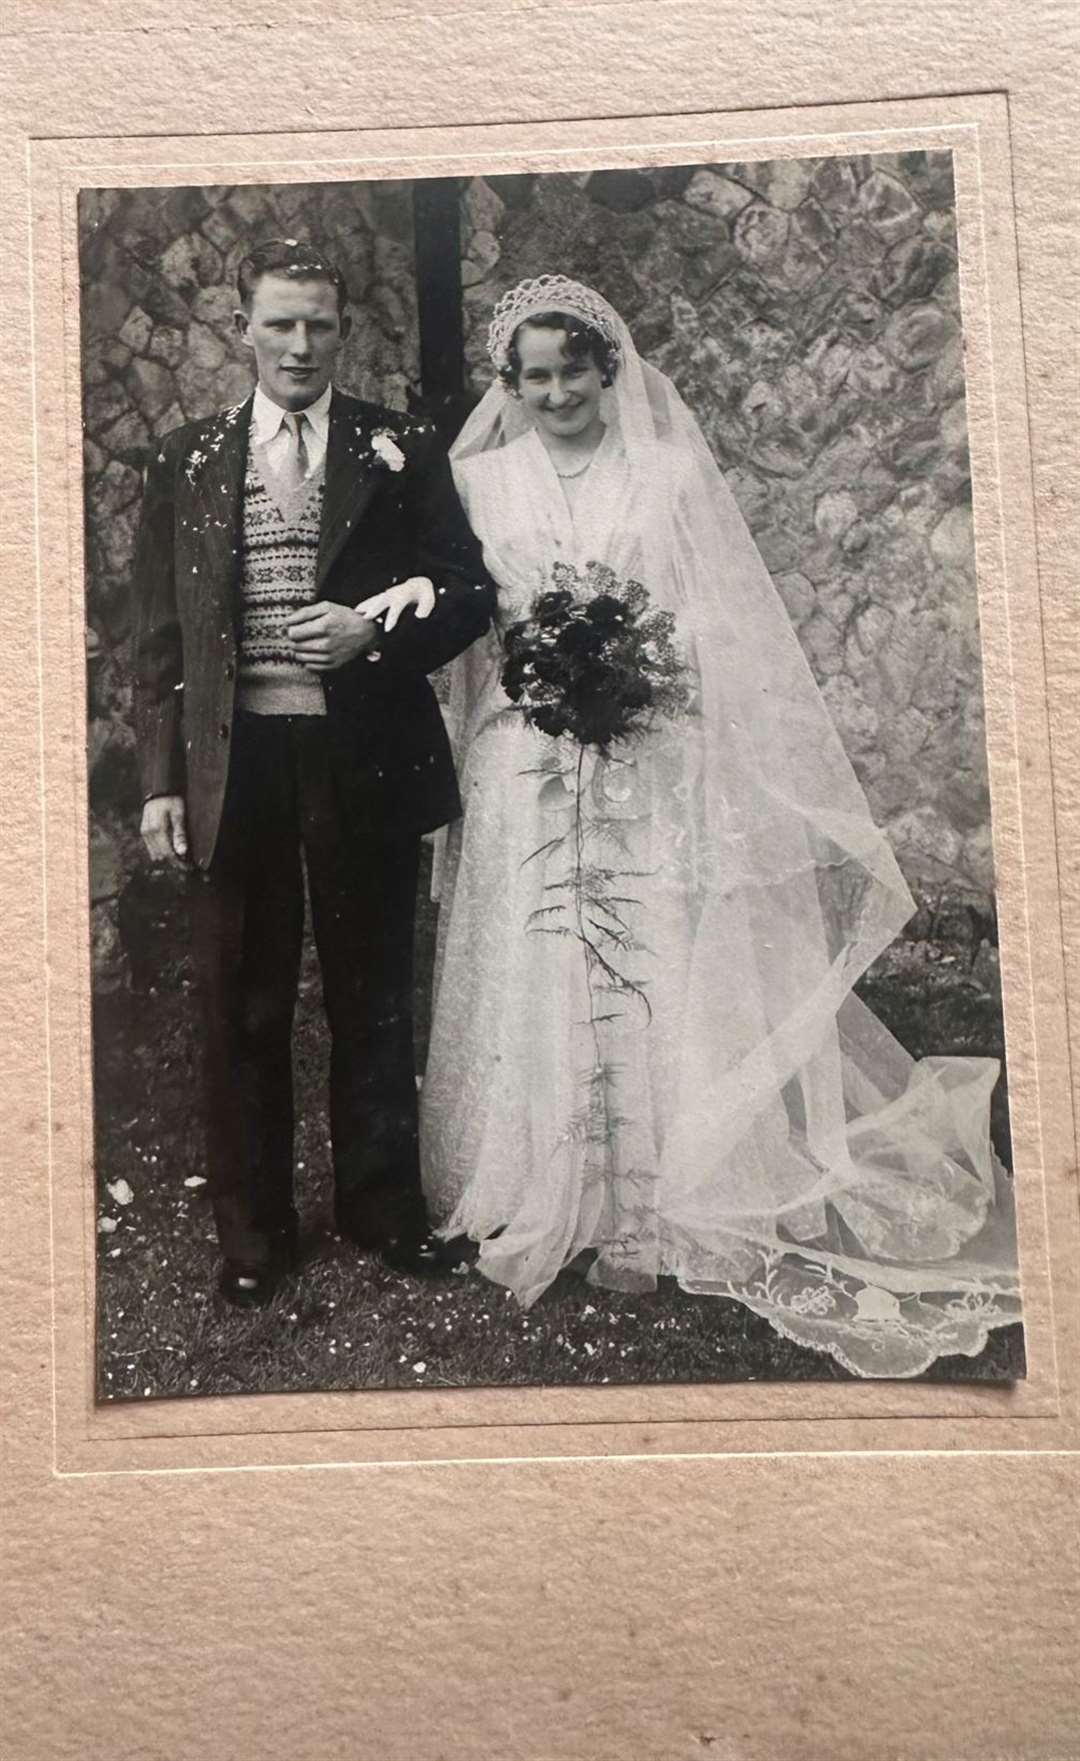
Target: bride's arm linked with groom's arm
x=185, y=613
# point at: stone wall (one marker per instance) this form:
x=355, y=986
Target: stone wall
x=808, y=311
x=158, y=271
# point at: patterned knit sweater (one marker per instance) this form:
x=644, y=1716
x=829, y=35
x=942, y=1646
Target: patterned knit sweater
x=277, y=578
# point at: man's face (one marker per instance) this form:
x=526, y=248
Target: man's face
x=296, y=330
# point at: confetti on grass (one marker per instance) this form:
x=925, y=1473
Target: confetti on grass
x=466, y=1329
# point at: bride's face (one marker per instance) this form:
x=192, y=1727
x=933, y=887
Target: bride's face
x=562, y=395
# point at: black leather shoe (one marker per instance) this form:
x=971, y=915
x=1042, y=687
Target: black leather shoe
x=249, y=1287
x=418, y=1254
x=252, y=1287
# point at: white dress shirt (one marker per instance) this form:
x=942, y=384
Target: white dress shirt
x=269, y=432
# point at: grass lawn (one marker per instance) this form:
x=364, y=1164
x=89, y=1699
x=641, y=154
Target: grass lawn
x=344, y=1322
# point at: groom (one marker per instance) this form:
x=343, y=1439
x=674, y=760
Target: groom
x=280, y=731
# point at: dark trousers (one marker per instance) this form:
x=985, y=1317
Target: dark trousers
x=248, y=922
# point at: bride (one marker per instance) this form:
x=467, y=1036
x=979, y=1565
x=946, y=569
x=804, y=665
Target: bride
x=740, y=1122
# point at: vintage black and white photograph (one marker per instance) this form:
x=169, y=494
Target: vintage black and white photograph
x=543, y=924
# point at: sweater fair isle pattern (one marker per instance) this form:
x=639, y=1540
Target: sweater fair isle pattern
x=277, y=578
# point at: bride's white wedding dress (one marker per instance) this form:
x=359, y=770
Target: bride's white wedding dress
x=763, y=1137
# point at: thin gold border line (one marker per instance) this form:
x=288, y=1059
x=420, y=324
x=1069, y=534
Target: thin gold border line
x=547, y=1461
x=1015, y=767
x=105, y=1437
x=1051, y=718
x=75, y=629
x=516, y=154
x=94, y=1437
x=50, y=1169
x=623, y=151
x=967, y=128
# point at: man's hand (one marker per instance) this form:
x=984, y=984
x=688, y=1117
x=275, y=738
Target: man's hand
x=417, y=591
x=325, y=635
x=164, y=829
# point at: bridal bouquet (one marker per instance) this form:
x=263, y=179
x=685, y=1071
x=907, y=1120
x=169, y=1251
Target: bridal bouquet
x=593, y=660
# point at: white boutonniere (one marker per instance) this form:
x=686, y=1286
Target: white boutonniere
x=192, y=464
x=386, y=448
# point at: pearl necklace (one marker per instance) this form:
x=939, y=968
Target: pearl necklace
x=580, y=472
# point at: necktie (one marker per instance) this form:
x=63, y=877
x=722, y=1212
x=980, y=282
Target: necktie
x=295, y=466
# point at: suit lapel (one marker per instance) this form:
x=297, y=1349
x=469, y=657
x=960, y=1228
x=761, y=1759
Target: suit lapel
x=219, y=499
x=216, y=471
x=350, y=481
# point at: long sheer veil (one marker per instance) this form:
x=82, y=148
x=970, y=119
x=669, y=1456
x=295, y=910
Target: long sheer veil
x=813, y=1170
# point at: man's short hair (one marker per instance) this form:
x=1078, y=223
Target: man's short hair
x=292, y=258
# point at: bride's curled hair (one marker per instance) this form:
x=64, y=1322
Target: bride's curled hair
x=583, y=341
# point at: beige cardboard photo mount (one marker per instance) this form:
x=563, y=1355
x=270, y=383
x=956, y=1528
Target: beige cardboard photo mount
x=418, y=1426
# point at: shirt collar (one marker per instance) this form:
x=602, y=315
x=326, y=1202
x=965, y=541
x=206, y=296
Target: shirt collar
x=266, y=416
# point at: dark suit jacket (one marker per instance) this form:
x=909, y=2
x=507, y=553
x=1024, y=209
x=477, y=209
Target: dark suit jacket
x=389, y=749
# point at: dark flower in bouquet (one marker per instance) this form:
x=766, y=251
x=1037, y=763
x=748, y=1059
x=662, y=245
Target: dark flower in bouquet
x=593, y=659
